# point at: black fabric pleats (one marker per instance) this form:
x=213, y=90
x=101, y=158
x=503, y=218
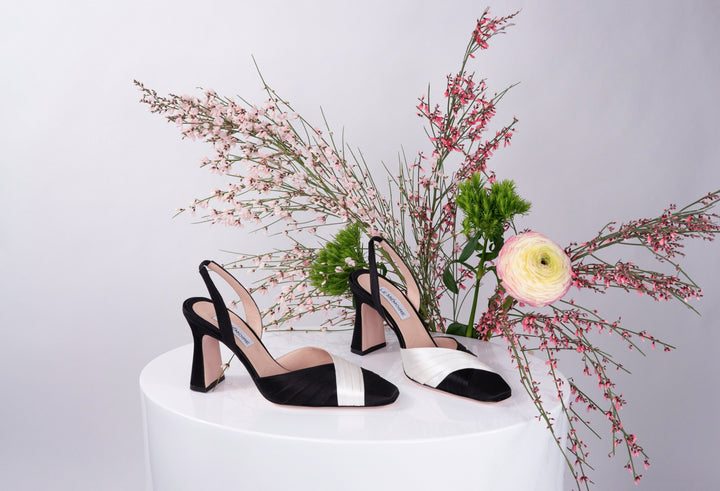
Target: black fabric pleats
x=477, y=384
x=315, y=387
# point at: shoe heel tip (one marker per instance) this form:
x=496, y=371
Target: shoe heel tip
x=202, y=388
x=361, y=352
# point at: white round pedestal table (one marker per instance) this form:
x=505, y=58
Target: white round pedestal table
x=232, y=438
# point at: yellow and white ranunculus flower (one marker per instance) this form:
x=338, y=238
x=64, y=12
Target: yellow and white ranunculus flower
x=534, y=270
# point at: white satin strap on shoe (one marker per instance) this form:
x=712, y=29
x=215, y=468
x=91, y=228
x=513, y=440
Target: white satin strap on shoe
x=350, y=384
x=430, y=366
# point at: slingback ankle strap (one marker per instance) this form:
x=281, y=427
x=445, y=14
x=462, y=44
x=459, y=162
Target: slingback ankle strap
x=253, y=317
x=413, y=291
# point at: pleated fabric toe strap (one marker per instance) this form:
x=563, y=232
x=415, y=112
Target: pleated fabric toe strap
x=413, y=291
x=253, y=318
x=349, y=382
x=430, y=366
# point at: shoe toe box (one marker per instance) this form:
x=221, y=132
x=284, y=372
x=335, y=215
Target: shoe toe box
x=477, y=384
x=378, y=391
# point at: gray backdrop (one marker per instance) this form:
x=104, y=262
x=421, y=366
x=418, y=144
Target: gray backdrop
x=617, y=104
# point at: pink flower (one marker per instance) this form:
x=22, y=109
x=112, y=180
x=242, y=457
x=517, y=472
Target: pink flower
x=534, y=269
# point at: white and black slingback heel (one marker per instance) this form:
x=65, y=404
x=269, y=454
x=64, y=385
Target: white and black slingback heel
x=439, y=362
x=304, y=377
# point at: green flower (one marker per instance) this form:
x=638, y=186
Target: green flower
x=488, y=210
x=333, y=264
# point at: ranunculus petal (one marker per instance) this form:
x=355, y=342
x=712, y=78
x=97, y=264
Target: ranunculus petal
x=534, y=270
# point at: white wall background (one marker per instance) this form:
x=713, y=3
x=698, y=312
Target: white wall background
x=618, y=106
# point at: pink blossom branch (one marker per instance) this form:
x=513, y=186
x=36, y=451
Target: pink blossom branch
x=662, y=235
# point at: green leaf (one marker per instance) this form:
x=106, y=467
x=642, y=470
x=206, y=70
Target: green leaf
x=495, y=249
x=469, y=248
x=449, y=280
x=457, y=329
x=509, y=301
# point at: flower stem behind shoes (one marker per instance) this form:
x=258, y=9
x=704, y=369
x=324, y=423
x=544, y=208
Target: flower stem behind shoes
x=488, y=213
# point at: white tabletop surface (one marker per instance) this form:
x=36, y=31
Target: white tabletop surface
x=419, y=412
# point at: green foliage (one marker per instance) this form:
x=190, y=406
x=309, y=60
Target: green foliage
x=488, y=210
x=449, y=281
x=460, y=329
x=333, y=264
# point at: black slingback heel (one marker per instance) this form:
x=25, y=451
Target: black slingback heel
x=304, y=377
x=438, y=362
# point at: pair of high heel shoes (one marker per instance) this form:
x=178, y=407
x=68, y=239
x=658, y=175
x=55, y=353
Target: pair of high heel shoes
x=313, y=377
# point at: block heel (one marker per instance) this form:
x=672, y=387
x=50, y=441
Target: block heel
x=369, y=331
x=207, y=368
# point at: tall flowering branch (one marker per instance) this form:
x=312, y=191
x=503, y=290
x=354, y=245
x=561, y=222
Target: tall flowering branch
x=427, y=188
x=663, y=237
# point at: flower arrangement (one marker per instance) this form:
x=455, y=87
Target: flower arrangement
x=297, y=181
